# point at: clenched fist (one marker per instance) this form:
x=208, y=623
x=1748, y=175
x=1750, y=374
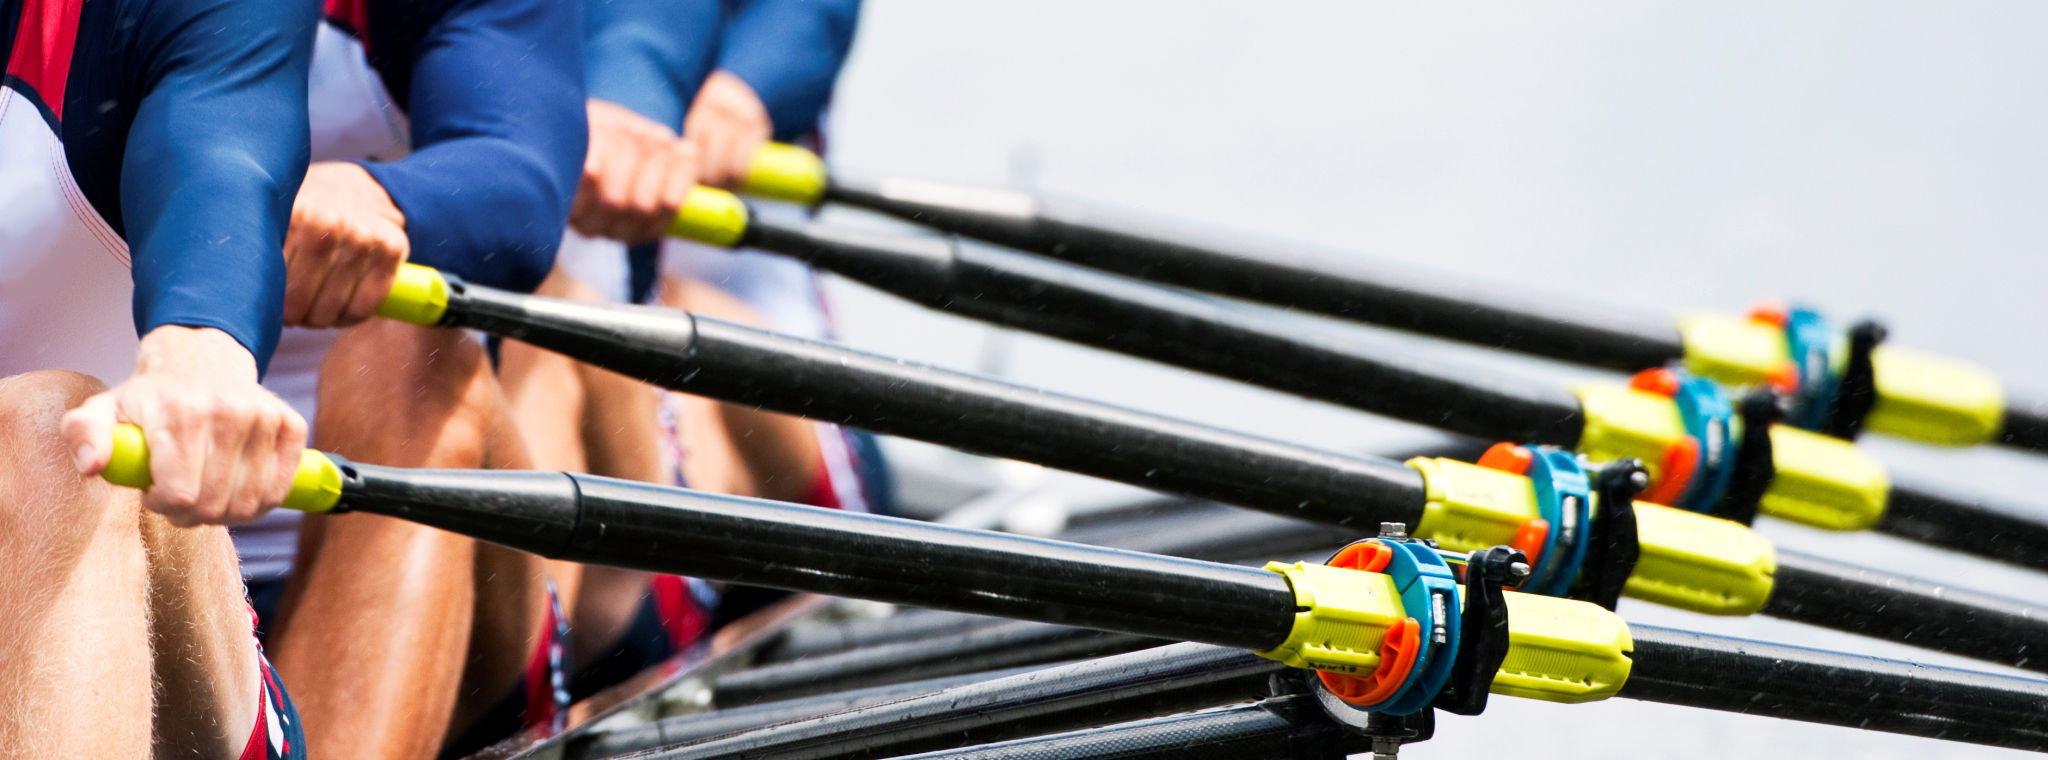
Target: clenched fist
x=635, y=176
x=343, y=250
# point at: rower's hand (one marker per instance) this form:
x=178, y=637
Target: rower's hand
x=222, y=448
x=727, y=123
x=635, y=176
x=345, y=244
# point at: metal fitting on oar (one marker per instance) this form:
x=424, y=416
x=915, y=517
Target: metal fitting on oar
x=1919, y=396
x=316, y=487
x=711, y=216
x=785, y=172
x=1819, y=481
x=1686, y=560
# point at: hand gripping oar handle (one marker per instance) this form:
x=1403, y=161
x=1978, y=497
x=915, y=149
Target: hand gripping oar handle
x=316, y=486
x=1306, y=615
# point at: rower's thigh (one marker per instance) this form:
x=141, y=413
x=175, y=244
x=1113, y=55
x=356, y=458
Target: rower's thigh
x=208, y=682
x=394, y=393
x=91, y=587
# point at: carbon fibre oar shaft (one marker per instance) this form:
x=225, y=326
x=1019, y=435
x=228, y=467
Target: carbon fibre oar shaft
x=1002, y=644
x=680, y=729
x=737, y=364
x=1308, y=615
x=1918, y=396
x=1180, y=330
x=1157, y=681
x=1276, y=729
x=742, y=365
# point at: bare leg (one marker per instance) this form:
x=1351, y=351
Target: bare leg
x=206, y=672
x=780, y=452
x=377, y=634
x=75, y=619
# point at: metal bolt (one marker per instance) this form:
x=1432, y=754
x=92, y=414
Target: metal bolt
x=1393, y=530
x=1518, y=570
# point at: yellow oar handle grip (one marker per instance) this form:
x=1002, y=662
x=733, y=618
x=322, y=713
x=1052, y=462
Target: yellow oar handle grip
x=419, y=295
x=316, y=487
x=786, y=172
x=711, y=216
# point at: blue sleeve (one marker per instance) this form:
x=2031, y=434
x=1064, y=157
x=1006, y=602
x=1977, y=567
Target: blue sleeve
x=498, y=133
x=213, y=159
x=790, y=52
x=652, y=55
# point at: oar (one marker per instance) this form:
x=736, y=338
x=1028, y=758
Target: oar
x=1834, y=375
x=1805, y=477
x=1393, y=642
x=1687, y=560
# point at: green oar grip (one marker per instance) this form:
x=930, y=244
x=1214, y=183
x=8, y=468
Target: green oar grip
x=711, y=216
x=419, y=295
x=786, y=172
x=316, y=487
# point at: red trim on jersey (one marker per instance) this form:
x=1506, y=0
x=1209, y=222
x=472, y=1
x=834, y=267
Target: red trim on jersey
x=355, y=12
x=681, y=615
x=42, y=49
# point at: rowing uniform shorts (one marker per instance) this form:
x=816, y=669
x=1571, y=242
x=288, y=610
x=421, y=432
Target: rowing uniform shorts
x=539, y=702
x=277, y=735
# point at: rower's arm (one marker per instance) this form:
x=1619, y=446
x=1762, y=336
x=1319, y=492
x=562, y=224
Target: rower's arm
x=213, y=157
x=652, y=55
x=790, y=51
x=496, y=103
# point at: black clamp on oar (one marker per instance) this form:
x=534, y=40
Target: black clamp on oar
x=1484, y=628
x=1754, y=467
x=1856, y=394
x=1613, y=544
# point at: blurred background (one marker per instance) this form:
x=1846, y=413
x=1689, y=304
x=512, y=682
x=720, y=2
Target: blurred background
x=1868, y=158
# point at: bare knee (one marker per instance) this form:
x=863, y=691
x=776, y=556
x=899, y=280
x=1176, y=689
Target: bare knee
x=45, y=505
x=414, y=395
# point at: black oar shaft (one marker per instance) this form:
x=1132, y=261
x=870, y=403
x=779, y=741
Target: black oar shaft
x=1560, y=328
x=742, y=365
x=2026, y=423
x=1954, y=521
x=1001, y=644
x=691, y=727
x=1125, y=687
x=1921, y=613
x=1111, y=313
x=1188, y=331
x=589, y=519
x=787, y=546
x=1258, y=731
x=746, y=366
x=1736, y=675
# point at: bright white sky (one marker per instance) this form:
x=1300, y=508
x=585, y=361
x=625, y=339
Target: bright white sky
x=1871, y=157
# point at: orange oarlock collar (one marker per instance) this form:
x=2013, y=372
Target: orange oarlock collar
x=1398, y=649
x=1682, y=456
